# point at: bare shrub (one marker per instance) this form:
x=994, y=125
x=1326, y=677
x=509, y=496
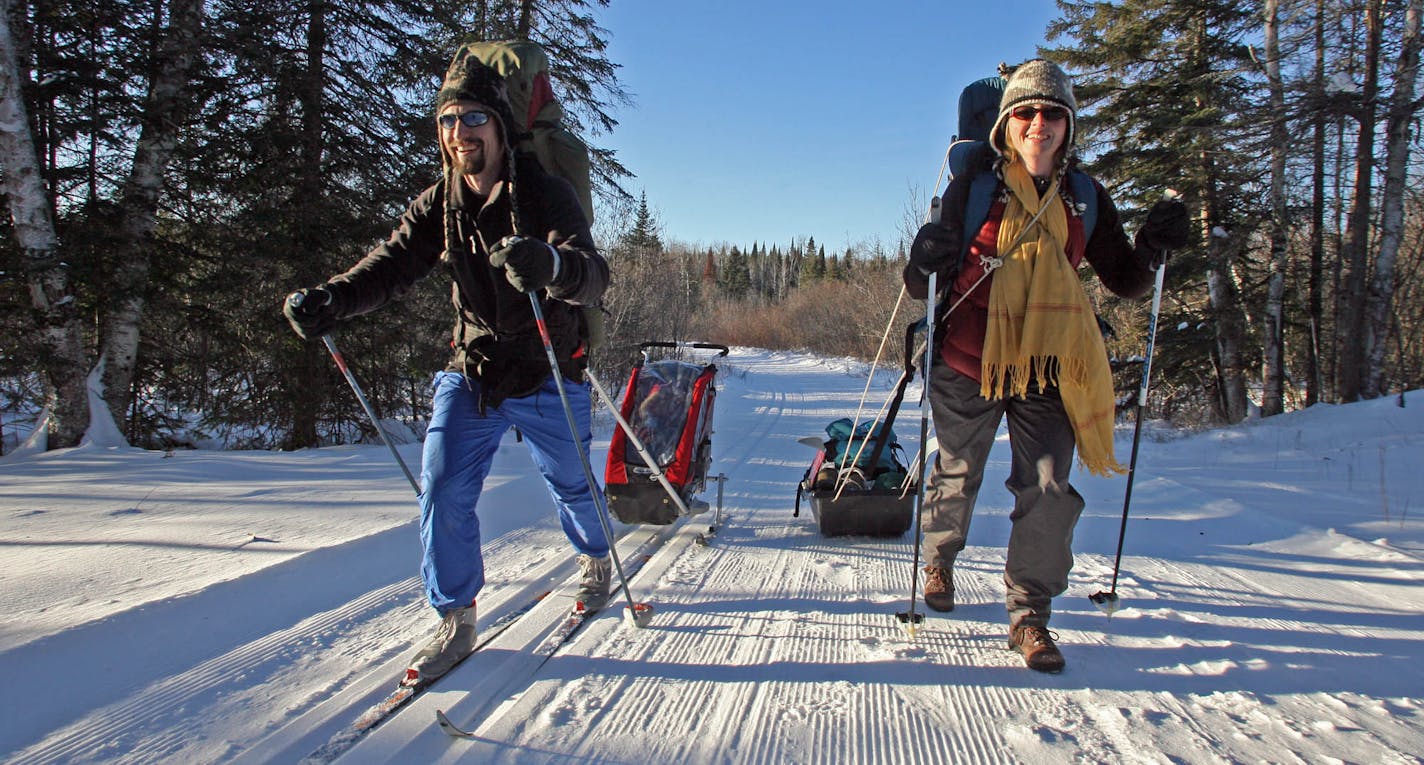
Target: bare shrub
x=829, y=317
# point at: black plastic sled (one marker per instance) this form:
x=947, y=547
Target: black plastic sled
x=881, y=506
x=857, y=483
x=668, y=405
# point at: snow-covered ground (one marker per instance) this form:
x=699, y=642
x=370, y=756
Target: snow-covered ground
x=218, y=606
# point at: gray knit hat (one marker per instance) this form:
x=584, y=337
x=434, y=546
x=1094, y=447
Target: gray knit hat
x=1036, y=81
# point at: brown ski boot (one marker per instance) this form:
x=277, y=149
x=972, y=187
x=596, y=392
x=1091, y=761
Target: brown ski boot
x=1037, y=646
x=939, y=588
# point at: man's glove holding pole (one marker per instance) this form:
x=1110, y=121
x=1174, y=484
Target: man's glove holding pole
x=529, y=264
x=312, y=312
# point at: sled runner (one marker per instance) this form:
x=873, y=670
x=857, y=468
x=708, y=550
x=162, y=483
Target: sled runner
x=858, y=483
x=668, y=405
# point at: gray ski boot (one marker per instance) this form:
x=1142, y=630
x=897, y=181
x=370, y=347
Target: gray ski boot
x=593, y=589
x=453, y=641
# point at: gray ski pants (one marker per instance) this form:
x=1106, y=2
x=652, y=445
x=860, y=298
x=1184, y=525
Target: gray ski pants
x=1046, y=507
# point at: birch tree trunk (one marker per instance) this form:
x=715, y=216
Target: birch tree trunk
x=1228, y=319
x=1230, y=327
x=1350, y=329
x=1381, y=290
x=157, y=139
x=48, y=276
x=1273, y=333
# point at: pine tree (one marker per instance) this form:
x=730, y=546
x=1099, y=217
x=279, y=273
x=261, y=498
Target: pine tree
x=813, y=263
x=733, y=278
x=643, y=236
x=1164, y=98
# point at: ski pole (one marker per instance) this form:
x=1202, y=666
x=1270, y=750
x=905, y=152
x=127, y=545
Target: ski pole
x=1108, y=601
x=637, y=613
x=370, y=412
x=911, y=620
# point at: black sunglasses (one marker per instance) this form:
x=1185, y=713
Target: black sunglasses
x=1050, y=113
x=472, y=118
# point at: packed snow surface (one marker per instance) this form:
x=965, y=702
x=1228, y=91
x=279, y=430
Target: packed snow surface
x=209, y=606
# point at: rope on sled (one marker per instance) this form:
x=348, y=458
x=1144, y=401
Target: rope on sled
x=841, y=474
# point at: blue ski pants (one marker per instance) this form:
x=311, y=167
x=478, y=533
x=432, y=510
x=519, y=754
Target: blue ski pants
x=459, y=448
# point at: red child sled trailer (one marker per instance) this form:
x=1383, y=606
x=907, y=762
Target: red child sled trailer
x=668, y=406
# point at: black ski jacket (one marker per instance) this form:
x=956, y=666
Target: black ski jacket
x=495, y=339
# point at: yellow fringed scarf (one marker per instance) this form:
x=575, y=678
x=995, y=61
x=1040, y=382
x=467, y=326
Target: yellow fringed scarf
x=1039, y=312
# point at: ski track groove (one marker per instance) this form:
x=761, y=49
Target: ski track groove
x=109, y=730
x=714, y=616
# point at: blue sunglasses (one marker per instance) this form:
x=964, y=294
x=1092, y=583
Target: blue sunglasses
x=472, y=118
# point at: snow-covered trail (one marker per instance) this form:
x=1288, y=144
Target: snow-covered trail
x=187, y=608
x=253, y=604
x=774, y=644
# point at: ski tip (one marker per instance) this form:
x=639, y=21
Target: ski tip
x=450, y=728
x=638, y=614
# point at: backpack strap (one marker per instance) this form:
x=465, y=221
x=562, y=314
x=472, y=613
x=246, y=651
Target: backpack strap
x=1086, y=194
x=981, y=197
x=962, y=156
x=976, y=210
x=973, y=160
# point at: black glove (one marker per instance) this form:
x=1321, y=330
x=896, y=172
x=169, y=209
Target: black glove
x=312, y=312
x=1165, y=227
x=933, y=249
x=529, y=264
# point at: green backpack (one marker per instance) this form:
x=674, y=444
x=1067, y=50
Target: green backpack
x=541, y=132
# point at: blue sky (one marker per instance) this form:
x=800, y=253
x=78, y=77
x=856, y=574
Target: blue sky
x=763, y=121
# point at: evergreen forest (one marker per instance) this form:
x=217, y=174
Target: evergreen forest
x=172, y=168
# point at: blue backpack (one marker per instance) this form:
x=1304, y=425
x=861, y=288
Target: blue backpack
x=971, y=156
x=844, y=436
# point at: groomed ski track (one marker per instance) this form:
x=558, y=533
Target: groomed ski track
x=773, y=644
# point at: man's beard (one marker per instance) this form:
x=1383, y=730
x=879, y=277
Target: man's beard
x=472, y=163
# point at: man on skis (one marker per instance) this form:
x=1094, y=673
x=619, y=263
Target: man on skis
x=502, y=227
